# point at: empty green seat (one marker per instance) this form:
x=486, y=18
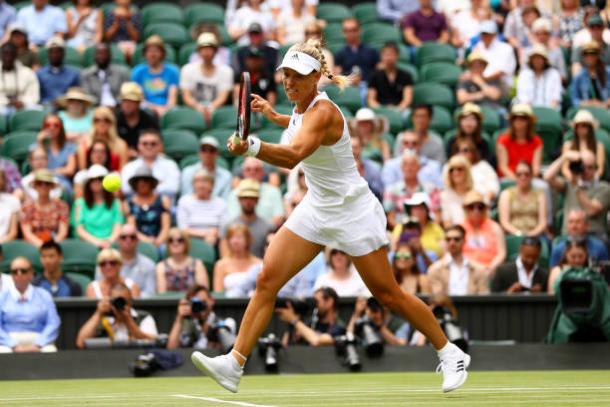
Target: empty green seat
x=380, y=33
x=204, y=12
x=334, y=33
x=79, y=257
x=72, y=57
x=81, y=279
x=225, y=117
x=271, y=135
x=281, y=109
x=173, y=34
x=549, y=128
x=117, y=56
x=433, y=94
x=185, y=52
x=365, y=13
x=441, y=72
x=332, y=12
x=16, y=145
x=183, y=118
x=149, y=250
x=138, y=57
x=178, y=143
x=349, y=97
x=491, y=119
x=432, y=52
x=17, y=248
x=395, y=118
x=204, y=252
x=162, y=13
x=27, y=120
x=441, y=120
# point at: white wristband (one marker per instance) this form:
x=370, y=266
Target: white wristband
x=254, y=146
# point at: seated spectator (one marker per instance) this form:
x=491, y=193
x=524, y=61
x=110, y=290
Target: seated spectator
x=425, y=25
x=104, y=79
x=135, y=266
x=223, y=53
x=45, y=218
x=248, y=194
x=320, y=330
x=56, y=78
x=9, y=212
x=412, y=235
x=208, y=155
x=109, y=263
x=519, y=143
x=517, y=26
x=591, y=86
x=368, y=169
x=369, y=128
x=37, y=159
x=77, y=118
x=584, y=126
x=28, y=317
x=524, y=274
x=12, y=177
x=122, y=25
x=586, y=34
x=262, y=82
x=270, y=206
x=61, y=153
x=249, y=13
x=522, y=209
x=97, y=216
x=150, y=147
x=484, y=243
x=355, y=58
x=406, y=272
x=105, y=129
x=232, y=269
x=9, y=16
x=52, y=278
x=539, y=84
x=341, y=276
x=409, y=142
x=205, y=85
x=256, y=38
x=473, y=86
x=575, y=255
x=596, y=29
x=117, y=323
x=148, y=211
x=276, y=6
x=20, y=88
x=487, y=182
x=314, y=30
x=85, y=24
x=584, y=191
x=42, y=21
x=18, y=36
x=390, y=86
x=100, y=154
x=131, y=118
x=541, y=35
x=470, y=127
x=195, y=321
x=568, y=22
x=292, y=22
x=200, y=214
x=392, y=330
x=393, y=11
x=429, y=143
x=179, y=270
x=158, y=79
x=466, y=22
x=499, y=55
x=455, y=274
x=458, y=183
x=578, y=230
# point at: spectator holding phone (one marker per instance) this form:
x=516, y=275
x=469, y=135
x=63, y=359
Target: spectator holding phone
x=523, y=274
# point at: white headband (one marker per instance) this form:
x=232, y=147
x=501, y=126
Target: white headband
x=300, y=62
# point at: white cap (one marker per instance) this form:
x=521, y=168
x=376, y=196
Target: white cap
x=96, y=171
x=417, y=198
x=209, y=141
x=365, y=114
x=300, y=62
x=541, y=24
x=488, y=27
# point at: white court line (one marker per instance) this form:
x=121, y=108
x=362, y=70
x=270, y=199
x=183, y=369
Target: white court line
x=235, y=403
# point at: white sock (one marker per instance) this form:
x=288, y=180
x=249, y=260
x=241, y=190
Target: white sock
x=445, y=349
x=236, y=363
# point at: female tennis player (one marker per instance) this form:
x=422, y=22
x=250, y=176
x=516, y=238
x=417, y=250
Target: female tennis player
x=338, y=210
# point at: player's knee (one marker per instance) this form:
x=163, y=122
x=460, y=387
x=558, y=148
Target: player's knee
x=265, y=283
x=386, y=297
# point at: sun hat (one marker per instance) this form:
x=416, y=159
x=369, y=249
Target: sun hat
x=207, y=39
x=43, y=175
x=473, y=197
x=477, y=56
x=96, y=171
x=470, y=108
x=143, y=173
x=76, y=93
x=131, y=91
x=584, y=117
x=248, y=188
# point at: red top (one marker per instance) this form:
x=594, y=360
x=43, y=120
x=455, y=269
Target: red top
x=518, y=151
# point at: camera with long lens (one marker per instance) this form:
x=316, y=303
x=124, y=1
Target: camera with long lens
x=268, y=347
x=576, y=167
x=118, y=303
x=451, y=327
x=222, y=333
x=370, y=337
x=345, y=347
x=301, y=307
x=198, y=306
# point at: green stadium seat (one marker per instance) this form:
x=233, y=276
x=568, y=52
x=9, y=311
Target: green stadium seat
x=271, y=135
x=138, y=57
x=332, y=12
x=432, y=52
x=225, y=117
x=81, y=279
x=506, y=183
x=441, y=72
x=281, y=109
x=225, y=37
x=183, y=118
x=204, y=12
x=365, y=13
x=72, y=57
x=395, y=118
x=334, y=33
x=107, y=7
x=204, y=252
x=434, y=94
x=189, y=160
x=380, y=33
x=149, y=250
x=19, y=5
x=185, y=52
x=602, y=115
x=16, y=248
x=117, y=56
x=162, y=13
x=179, y=143
x=349, y=97
x=441, y=120
x=411, y=69
x=491, y=119
x=79, y=257
x=3, y=125
x=16, y=145
x=549, y=128
x=27, y=120
x=335, y=47
x=173, y=34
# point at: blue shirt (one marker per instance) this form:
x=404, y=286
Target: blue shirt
x=36, y=313
x=429, y=172
x=42, y=25
x=583, y=88
x=8, y=14
x=372, y=175
x=54, y=81
x=364, y=57
x=596, y=248
x=156, y=86
x=222, y=180
x=65, y=287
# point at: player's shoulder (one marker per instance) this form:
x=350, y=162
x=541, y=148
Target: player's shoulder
x=324, y=112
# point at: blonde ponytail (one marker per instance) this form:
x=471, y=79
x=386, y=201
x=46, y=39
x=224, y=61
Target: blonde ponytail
x=314, y=48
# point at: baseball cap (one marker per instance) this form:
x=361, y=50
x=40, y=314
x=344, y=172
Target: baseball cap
x=365, y=114
x=488, y=27
x=209, y=141
x=541, y=24
x=55, y=42
x=207, y=39
x=595, y=21
x=255, y=28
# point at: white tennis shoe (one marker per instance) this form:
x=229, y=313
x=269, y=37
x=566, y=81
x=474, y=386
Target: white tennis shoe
x=223, y=369
x=453, y=364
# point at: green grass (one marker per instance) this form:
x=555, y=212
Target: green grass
x=541, y=388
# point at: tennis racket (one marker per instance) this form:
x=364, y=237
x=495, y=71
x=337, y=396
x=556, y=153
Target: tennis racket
x=242, y=129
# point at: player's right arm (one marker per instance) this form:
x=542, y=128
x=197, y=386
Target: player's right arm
x=260, y=105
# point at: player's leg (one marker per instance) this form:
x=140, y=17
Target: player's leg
x=377, y=274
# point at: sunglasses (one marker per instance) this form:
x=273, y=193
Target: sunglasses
x=453, y=239
x=175, y=240
x=207, y=149
x=476, y=206
x=403, y=256
x=108, y=263
x=128, y=237
x=42, y=184
x=334, y=251
x=149, y=143
x=101, y=119
x=20, y=271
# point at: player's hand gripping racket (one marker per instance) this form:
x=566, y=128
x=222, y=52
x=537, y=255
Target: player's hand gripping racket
x=242, y=130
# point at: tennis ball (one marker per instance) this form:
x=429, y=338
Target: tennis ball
x=112, y=182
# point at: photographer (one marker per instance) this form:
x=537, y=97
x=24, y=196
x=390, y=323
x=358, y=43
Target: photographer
x=392, y=330
x=196, y=321
x=324, y=325
x=583, y=190
x=115, y=319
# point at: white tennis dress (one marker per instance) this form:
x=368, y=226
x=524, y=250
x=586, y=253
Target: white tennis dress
x=339, y=209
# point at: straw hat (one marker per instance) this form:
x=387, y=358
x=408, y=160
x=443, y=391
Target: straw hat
x=248, y=189
x=143, y=173
x=477, y=56
x=131, y=91
x=539, y=49
x=43, y=175
x=470, y=108
x=473, y=197
x=522, y=110
x=76, y=93
x=584, y=117
x=541, y=24
x=154, y=40
x=207, y=39
x=591, y=47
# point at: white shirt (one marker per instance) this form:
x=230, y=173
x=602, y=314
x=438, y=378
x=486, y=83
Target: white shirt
x=486, y=178
x=351, y=287
x=539, y=90
x=164, y=169
x=8, y=206
x=20, y=82
x=501, y=57
x=524, y=279
x=6, y=282
x=458, y=277
x=121, y=333
x=466, y=25
x=451, y=7
x=294, y=27
x=199, y=214
x=245, y=16
x=205, y=89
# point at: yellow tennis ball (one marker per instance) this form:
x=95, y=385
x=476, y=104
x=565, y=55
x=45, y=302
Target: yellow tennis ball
x=112, y=182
